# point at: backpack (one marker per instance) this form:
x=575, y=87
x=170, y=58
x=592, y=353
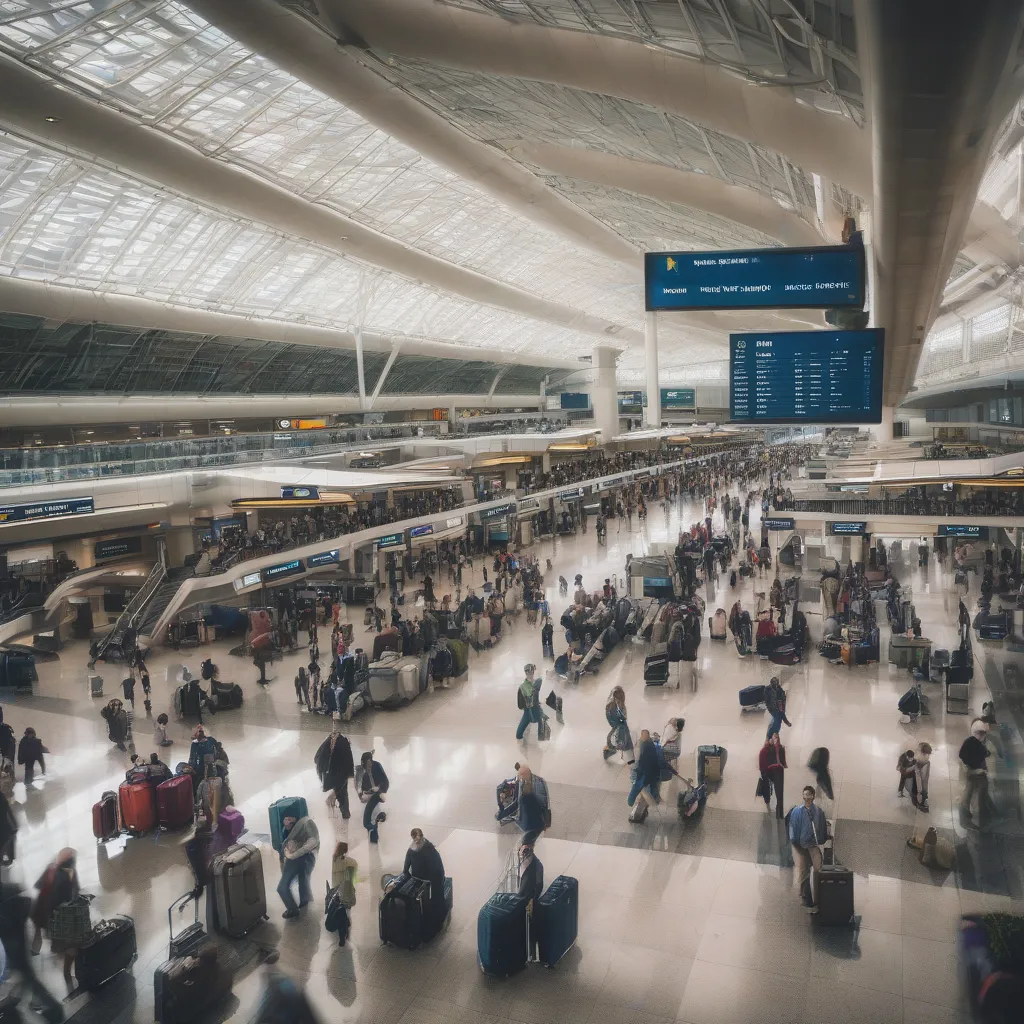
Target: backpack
x=520, y=699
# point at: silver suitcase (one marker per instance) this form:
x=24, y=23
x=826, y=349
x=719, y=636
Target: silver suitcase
x=394, y=682
x=95, y=686
x=238, y=889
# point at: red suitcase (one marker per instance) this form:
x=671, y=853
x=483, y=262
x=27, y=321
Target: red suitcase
x=138, y=806
x=174, y=807
x=104, y=817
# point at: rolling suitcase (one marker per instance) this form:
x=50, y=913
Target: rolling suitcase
x=751, y=697
x=718, y=625
x=656, y=667
x=190, y=938
x=231, y=821
x=95, y=686
x=104, y=817
x=238, y=889
x=184, y=988
x=710, y=763
x=138, y=807
x=174, y=806
x=785, y=654
x=835, y=895
x=286, y=807
x=225, y=696
x=556, y=919
x=402, y=912
x=109, y=950
x=501, y=934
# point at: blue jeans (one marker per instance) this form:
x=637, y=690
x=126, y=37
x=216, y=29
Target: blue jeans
x=774, y=726
x=300, y=868
x=367, y=820
x=653, y=791
x=530, y=714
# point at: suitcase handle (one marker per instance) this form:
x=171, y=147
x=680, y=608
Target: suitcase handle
x=181, y=902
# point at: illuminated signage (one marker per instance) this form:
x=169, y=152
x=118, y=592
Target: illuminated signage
x=421, y=531
x=847, y=529
x=529, y=505
x=573, y=495
x=116, y=548
x=964, y=530
x=392, y=540
x=498, y=511
x=292, y=493
x=284, y=569
x=46, y=510
x=678, y=398
x=251, y=579
x=451, y=524
x=324, y=558
x=769, y=523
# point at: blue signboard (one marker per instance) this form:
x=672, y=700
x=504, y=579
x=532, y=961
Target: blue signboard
x=678, y=398
x=571, y=495
x=498, y=511
x=847, y=529
x=776, y=523
x=497, y=535
x=115, y=548
x=392, y=540
x=275, y=572
x=297, y=493
x=324, y=558
x=421, y=531
x=806, y=376
x=658, y=586
x=575, y=400
x=816, y=278
x=46, y=510
x=963, y=530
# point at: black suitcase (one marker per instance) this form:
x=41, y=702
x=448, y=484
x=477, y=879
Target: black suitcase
x=186, y=987
x=752, y=696
x=226, y=696
x=656, y=666
x=401, y=915
x=190, y=938
x=835, y=894
x=109, y=950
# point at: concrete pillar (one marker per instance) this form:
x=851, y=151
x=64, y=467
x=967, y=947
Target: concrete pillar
x=603, y=395
x=652, y=414
x=883, y=431
x=545, y=462
x=180, y=543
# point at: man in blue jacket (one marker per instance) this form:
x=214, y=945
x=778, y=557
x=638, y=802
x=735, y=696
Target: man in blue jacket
x=807, y=833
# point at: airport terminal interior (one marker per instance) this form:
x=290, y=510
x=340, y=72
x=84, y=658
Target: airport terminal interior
x=511, y=511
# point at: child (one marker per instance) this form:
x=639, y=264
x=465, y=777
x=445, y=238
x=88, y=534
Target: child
x=160, y=731
x=905, y=766
x=31, y=750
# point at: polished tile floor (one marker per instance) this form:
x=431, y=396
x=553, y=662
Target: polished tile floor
x=695, y=922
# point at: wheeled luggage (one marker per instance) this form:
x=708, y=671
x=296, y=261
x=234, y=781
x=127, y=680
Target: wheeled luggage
x=238, y=889
x=752, y=697
x=231, y=822
x=656, y=667
x=556, y=919
x=138, y=806
x=710, y=763
x=501, y=934
x=225, y=696
x=403, y=912
x=191, y=937
x=784, y=654
x=174, y=805
x=184, y=988
x=104, y=817
x=394, y=682
x=718, y=624
x=835, y=894
x=109, y=950
x=95, y=686
x=287, y=807
x=908, y=653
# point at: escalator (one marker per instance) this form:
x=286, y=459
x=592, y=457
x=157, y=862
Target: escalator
x=162, y=597
x=119, y=643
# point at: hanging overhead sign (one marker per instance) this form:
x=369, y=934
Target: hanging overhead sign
x=847, y=529
x=46, y=510
x=806, y=278
x=421, y=531
x=276, y=572
x=498, y=511
x=392, y=540
x=776, y=523
x=967, y=530
x=297, y=493
x=678, y=398
x=115, y=548
x=571, y=495
x=324, y=558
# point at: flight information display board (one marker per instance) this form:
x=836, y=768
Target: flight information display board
x=806, y=376
x=812, y=278
x=678, y=398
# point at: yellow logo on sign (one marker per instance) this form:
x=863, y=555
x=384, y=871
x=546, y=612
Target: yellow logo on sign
x=670, y=264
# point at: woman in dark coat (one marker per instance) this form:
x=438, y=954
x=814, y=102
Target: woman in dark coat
x=334, y=765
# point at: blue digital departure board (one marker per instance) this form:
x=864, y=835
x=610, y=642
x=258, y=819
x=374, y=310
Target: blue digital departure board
x=814, y=278
x=806, y=376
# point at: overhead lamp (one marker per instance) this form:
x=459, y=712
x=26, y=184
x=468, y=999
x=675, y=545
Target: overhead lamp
x=52, y=120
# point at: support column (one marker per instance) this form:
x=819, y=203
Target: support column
x=652, y=414
x=603, y=395
x=359, y=370
x=883, y=432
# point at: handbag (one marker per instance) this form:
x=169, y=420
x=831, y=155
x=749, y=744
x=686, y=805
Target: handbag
x=762, y=789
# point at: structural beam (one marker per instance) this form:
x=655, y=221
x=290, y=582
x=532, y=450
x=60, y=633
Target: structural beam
x=384, y=374
x=359, y=370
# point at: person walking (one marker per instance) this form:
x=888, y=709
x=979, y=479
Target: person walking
x=618, y=738
x=973, y=755
x=343, y=885
x=771, y=762
x=128, y=687
x=775, y=701
x=808, y=830
x=31, y=751
x=58, y=884
x=530, y=806
x=920, y=777
x=302, y=687
x=528, y=701
x=298, y=857
x=646, y=788
x=372, y=784
x=334, y=765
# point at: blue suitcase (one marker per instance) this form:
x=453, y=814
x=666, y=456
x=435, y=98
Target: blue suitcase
x=286, y=807
x=501, y=934
x=556, y=919
x=751, y=697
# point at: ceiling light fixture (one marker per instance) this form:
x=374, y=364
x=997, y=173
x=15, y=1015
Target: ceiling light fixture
x=52, y=120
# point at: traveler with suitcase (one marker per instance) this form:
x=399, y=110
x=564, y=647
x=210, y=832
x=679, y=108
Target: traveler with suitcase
x=771, y=762
x=530, y=805
x=117, y=723
x=423, y=861
x=298, y=857
x=619, y=738
x=334, y=765
x=528, y=701
x=202, y=752
x=58, y=888
x=371, y=784
x=646, y=788
x=808, y=830
x=15, y=910
x=531, y=886
x=973, y=756
x=341, y=893
x=775, y=699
